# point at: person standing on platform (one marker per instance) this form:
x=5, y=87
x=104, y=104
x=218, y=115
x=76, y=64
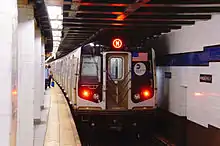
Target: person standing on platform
x=50, y=76
x=46, y=77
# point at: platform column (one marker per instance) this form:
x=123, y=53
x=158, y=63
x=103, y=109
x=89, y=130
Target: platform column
x=8, y=72
x=42, y=71
x=26, y=72
x=37, y=77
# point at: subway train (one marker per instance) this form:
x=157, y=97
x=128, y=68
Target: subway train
x=102, y=80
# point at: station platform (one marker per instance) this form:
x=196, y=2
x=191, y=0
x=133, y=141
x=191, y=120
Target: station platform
x=57, y=126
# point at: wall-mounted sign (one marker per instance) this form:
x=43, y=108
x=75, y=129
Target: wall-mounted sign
x=140, y=69
x=205, y=78
x=168, y=75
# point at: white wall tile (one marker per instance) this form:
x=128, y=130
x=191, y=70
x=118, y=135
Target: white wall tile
x=5, y=123
x=200, y=109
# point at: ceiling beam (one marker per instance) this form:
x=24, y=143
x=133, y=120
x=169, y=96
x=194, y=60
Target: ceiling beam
x=180, y=5
x=145, y=18
x=83, y=27
x=93, y=12
x=68, y=38
x=127, y=27
x=75, y=40
x=142, y=13
x=146, y=5
x=78, y=33
x=131, y=19
x=79, y=37
x=131, y=8
x=129, y=24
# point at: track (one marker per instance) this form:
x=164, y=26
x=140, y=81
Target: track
x=95, y=135
x=92, y=135
x=105, y=137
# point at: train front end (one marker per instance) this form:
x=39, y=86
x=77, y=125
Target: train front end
x=115, y=84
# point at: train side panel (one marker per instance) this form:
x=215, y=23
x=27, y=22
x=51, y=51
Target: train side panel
x=75, y=75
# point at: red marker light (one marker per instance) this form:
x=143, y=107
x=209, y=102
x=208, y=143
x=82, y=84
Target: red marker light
x=146, y=93
x=117, y=43
x=85, y=93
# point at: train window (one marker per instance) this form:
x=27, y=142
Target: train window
x=116, y=67
x=91, y=66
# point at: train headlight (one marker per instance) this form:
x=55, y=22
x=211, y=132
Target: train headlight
x=137, y=96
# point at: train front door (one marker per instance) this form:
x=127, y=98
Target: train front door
x=116, y=79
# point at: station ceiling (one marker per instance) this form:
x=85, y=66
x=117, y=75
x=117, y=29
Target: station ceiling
x=133, y=20
x=42, y=19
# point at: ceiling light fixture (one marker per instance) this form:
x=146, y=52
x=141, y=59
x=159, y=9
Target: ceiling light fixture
x=56, y=21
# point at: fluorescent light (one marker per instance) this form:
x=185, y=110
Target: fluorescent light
x=91, y=44
x=48, y=59
x=56, y=24
x=55, y=48
x=54, y=12
x=56, y=39
x=60, y=17
x=56, y=20
x=56, y=33
x=56, y=43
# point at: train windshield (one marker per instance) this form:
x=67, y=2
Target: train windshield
x=90, y=69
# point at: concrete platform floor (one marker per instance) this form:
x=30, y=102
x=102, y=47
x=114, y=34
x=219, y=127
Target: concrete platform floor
x=57, y=127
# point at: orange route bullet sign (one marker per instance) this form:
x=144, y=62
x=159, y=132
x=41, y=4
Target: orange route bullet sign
x=117, y=43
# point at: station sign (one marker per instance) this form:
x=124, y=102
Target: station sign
x=168, y=75
x=205, y=78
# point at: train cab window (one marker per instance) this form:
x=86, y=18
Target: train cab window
x=116, y=67
x=91, y=66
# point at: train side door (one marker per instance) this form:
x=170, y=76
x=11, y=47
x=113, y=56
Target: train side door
x=117, y=79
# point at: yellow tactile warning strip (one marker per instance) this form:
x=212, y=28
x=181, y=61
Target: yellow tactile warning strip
x=61, y=129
